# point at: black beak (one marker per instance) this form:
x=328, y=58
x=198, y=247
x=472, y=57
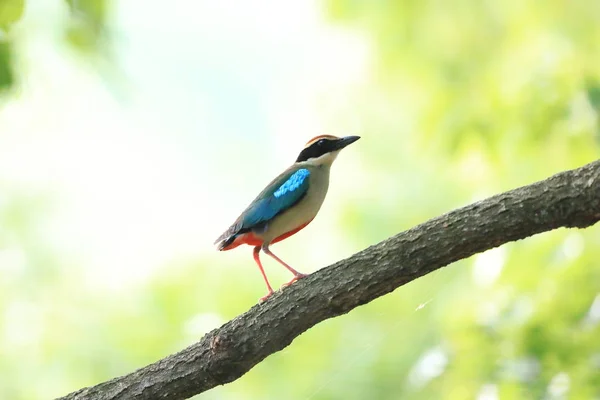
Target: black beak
x=345, y=141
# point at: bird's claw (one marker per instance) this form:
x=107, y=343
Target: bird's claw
x=265, y=297
x=294, y=279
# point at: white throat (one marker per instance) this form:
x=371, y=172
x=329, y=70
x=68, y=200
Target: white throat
x=325, y=159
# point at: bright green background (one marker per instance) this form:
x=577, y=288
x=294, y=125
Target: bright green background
x=455, y=101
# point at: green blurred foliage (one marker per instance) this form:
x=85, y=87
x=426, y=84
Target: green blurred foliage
x=481, y=97
x=465, y=99
x=6, y=73
x=10, y=12
x=85, y=31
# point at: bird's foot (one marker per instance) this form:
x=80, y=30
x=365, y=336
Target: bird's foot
x=294, y=279
x=265, y=297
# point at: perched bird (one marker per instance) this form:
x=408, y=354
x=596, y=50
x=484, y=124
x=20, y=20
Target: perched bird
x=289, y=203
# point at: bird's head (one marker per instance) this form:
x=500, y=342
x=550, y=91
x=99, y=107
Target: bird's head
x=324, y=149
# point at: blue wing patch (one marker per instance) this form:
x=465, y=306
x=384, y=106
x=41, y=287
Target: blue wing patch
x=293, y=182
x=284, y=195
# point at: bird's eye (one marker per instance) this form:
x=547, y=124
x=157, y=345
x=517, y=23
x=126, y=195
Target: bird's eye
x=321, y=142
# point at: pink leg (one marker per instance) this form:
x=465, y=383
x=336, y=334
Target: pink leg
x=262, y=271
x=297, y=275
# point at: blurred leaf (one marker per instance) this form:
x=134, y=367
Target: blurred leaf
x=10, y=12
x=82, y=37
x=6, y=72
x=93, y=9
x=593, y=94
x=87, y=27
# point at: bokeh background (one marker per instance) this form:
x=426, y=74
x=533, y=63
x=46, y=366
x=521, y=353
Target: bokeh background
x=132, y=132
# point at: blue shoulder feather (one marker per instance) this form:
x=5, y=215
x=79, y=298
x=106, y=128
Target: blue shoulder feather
x=283, y=194
x=293, y=183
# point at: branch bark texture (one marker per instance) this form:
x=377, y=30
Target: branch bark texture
x=568, y=199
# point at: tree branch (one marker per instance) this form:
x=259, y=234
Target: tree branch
x=568, y=199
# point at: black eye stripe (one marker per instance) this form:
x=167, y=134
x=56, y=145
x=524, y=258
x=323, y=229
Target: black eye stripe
x=315, y=150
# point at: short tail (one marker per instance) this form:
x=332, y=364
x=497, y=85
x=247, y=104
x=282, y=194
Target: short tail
x=227, y=240
x=224, y=241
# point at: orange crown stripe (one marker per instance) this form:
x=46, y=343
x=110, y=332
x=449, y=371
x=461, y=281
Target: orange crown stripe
x=311, y=141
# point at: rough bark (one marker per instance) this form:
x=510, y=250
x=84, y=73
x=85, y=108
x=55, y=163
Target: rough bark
x=568, y=199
